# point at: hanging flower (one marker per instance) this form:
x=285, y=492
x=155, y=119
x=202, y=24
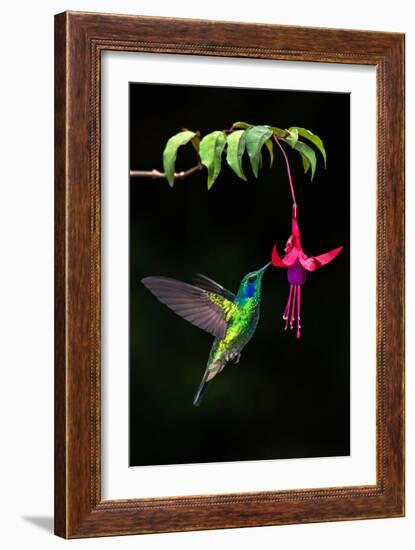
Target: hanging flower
x=297, y=264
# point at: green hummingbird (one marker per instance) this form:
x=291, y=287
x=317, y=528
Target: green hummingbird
x=231, y=319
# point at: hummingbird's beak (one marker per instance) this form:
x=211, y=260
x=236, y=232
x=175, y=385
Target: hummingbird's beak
x=265, y=267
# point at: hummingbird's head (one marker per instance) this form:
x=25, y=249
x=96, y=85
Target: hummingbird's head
x=251, y=284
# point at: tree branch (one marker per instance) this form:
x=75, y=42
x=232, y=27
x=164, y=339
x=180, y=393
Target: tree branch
x=156, y=174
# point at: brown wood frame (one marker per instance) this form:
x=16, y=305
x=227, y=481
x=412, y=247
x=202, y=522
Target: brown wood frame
x=79, y=40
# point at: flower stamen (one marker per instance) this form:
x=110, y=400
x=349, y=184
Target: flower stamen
x=298, y=333
x=287, y=307
x=292, y=317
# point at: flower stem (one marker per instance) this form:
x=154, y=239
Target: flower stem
x=295, y=208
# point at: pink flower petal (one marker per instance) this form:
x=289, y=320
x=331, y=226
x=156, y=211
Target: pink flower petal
x=311, y=263
x=295, y=230
x=276, y=258
x=288, y=259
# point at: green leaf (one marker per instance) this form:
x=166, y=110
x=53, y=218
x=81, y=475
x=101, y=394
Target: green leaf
x=170, y=152
x=195, y=140
x=307, y=152
x=255, y=139
x=306, y=162
x=211, y=148
x=279, y=132
x=318, y=142
x=293, y=137
x=235, y=151
x=242, y=125
x=270, y=146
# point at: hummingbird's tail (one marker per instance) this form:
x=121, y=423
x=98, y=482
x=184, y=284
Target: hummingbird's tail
x=201, y=389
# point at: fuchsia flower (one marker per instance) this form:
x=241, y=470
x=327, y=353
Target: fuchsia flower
x=297, y=264
x=295, y=260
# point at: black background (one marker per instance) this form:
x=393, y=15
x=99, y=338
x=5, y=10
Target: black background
x=286, y=398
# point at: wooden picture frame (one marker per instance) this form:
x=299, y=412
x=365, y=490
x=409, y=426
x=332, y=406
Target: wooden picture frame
x=79, y=40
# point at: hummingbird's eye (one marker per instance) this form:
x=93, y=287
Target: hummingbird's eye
x=252, y=279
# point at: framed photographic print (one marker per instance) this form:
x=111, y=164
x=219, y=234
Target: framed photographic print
x=229, y=214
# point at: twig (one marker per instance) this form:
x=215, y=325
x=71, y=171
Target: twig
x=156, y=174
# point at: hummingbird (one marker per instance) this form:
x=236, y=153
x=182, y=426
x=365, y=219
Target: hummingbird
x=231, y=319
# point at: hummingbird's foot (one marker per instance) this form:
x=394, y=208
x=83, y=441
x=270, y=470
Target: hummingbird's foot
x=236, y=358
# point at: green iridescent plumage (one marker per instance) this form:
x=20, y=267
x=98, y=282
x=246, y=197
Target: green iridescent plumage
x=231, y=318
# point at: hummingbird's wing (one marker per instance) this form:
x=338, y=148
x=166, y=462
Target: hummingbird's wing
x=204, y=309
x=210, y=285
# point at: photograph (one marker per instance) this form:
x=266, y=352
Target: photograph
x=239, y=279
x=229, y=222
x=207, y=235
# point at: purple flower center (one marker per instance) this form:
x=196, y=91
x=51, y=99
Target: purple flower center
x=296, y=274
